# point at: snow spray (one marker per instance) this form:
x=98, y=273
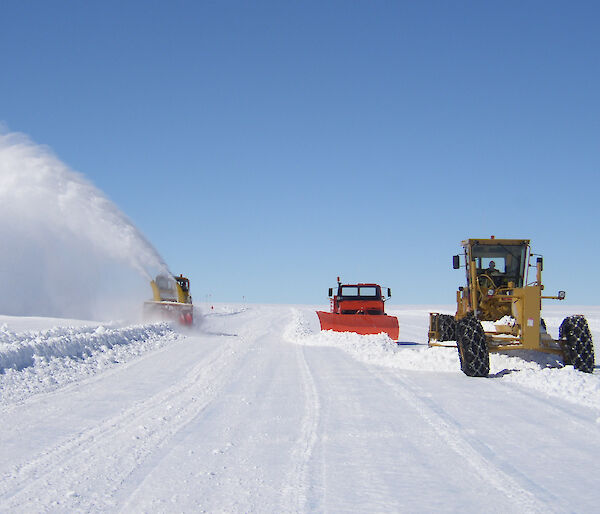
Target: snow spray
x=65, y=249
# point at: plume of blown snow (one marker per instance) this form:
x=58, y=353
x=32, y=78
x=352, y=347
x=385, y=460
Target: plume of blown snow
x=68, y=251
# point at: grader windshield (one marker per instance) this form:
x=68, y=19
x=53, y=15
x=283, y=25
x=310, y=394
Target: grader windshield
x=504, y=262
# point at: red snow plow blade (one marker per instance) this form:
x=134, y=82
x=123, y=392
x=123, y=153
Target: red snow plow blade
x=360, y=323
x=359, y=308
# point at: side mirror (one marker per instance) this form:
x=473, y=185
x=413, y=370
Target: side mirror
x=561, y=295
x=455, y=262
x=389, y=292
x=331, y=291
x=540, y=261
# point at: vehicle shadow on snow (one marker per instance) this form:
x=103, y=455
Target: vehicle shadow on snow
x=503, y=373
x=220, y=334
x=198, y=328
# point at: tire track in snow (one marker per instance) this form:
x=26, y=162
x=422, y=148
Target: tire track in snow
x=131, y=497
x=563, y=411
x=530, y=497
x=295, y=493
x=70, y=475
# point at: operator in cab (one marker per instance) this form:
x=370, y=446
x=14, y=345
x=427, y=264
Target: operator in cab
x=492, y=269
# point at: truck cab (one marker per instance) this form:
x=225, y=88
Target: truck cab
x=358, y=299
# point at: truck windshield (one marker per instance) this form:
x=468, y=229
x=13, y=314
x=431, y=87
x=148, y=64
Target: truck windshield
x=359, y=292
x=505, y=263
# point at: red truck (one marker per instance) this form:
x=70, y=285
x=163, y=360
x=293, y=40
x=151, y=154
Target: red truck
x=359, y=308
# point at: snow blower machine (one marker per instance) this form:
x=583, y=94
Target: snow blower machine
x=171, y=300
x=499, y=297
x=359, y=308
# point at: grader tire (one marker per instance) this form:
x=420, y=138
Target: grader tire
x=473, y=351
x=447, y=327
x=578, y=346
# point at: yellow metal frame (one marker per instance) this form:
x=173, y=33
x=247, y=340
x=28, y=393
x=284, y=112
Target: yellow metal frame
x=525, y=307
x=182, y=296
x=434, y=332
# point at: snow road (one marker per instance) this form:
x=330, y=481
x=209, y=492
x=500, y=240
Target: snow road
x=256, y=411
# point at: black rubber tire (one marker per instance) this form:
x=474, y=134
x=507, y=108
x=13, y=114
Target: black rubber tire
x=472, y=347
x=447, y=327
x=578, y=347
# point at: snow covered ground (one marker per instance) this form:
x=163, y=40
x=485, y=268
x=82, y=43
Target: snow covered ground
x=255, y=410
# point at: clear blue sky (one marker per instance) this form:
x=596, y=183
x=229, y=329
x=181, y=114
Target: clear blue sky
x=267, y=147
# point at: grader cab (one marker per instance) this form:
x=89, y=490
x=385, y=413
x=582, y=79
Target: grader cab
x=499, y=292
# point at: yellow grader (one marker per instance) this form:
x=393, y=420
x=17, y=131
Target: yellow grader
x=498, y=292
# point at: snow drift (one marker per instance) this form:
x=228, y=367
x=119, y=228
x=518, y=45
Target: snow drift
x=41, y=361
x=67, y=249
x=18, y=351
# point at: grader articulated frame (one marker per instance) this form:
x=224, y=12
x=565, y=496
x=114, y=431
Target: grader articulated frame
x=498, y=292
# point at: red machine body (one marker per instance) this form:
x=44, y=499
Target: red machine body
x=359, y=308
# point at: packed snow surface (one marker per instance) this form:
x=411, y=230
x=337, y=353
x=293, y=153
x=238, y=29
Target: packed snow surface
x=256, y=410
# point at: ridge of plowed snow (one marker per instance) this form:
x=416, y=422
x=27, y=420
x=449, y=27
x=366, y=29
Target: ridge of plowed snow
x=40, y=361
x=533, y=370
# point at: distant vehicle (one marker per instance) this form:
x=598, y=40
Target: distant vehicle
x=171, y=301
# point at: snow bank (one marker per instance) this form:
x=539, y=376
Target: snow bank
x=532, y=370
x=547, y=375
x=373, y=349
x=18, y=351
x=33, y=362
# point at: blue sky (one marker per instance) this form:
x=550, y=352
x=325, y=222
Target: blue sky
x=267, y=147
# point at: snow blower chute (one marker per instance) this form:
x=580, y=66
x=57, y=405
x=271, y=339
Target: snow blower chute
x=359, y=308
x=171, y=300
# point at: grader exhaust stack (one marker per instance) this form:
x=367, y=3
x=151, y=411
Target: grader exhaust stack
x=359, y=308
